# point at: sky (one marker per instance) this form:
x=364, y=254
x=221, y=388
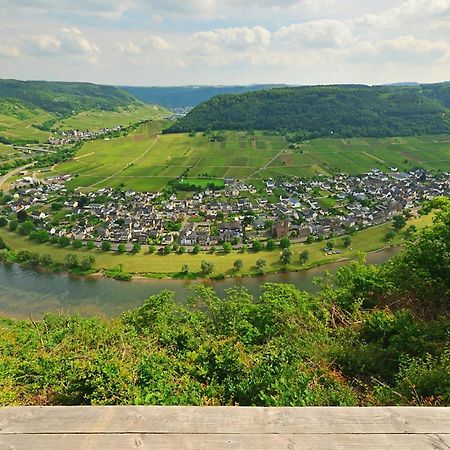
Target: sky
x=225, y=42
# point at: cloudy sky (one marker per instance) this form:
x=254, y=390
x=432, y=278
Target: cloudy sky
x=177, y=42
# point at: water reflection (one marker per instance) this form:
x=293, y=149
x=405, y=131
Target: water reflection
x=26, y=292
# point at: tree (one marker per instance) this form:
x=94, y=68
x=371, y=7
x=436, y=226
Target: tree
x=2, y=244
x=64, y=241
x=45, y=260
x=90, y=245
x=256, y=246
x=13, y=224
x=151, y=249
x=285, y=242
x=106, y=246
x=330, y=244
x=285, y=256
x=399, y=222
x=167, y=249
x=76, y=243
x=22, y=216
x=3, y=221
x=182, y=250
x=70, y=261
x=136, y=247
x=87, y=263
x=185, y=269
x=271, y=245
x=309, y=239
x=197, y=249
x=346, y=241
x=121, y=248
x=238, y=265
x=260, y=264
x=389, y=235
x=26, y=227
x=227, y=247
x=206, y=267
x=304, y=257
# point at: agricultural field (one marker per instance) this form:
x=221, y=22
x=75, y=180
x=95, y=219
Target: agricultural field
x=95, y=120
x=17, y=120
x=147, y=160
x=358, y=155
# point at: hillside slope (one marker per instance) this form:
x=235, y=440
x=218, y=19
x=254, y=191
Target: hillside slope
x=66, y=98
x=31, y=110
x=187, y=96
x=348, y=111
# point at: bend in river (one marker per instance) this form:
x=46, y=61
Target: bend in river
x=26, y=292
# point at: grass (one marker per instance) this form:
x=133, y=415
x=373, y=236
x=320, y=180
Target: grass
x=94, y=120
x=368, y=240
x=243, y=156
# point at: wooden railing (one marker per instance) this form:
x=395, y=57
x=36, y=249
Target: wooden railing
x=133, y=427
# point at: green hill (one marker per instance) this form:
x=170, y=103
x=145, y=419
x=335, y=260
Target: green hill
x=188, y=96
x=66, y=98
x=31, y=110
x=346, y=111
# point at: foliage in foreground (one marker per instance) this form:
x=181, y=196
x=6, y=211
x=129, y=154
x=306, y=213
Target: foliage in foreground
x=374, y=335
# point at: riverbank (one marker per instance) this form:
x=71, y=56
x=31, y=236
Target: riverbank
x=32, y=291
x=145, y=265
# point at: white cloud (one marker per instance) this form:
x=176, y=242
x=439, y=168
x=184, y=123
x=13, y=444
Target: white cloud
x=9, y=49
x=320, y=34
x=129, y=48
x=234, y=39
x=411, y=48
x=73, y=41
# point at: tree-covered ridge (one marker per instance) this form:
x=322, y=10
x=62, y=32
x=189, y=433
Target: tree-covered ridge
x=187, y=96
x=374, y=335
x=347, y=111
x=66, y=98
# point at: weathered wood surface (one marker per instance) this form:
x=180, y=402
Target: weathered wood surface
x=83, y=428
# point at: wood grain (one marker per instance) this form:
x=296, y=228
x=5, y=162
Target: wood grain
x=215, y=428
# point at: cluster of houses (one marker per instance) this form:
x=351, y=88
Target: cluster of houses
x=74, y=136
x=238, y=213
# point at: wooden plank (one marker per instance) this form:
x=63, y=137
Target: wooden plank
x=224, y=441
x=211, y=420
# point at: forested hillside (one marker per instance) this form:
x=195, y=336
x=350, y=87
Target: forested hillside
x=66, y=98
x=347, y=111
x=31, y=110
x=374, y=335
x=187, y=96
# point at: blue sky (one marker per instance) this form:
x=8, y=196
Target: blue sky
x=177, y=42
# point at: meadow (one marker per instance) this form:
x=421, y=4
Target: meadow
x=147, y=160
x=94, y=120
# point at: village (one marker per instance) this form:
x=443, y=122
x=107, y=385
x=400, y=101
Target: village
x=239, y=214
x=74, y=136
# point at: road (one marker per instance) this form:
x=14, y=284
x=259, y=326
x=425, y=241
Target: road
x=11, y=173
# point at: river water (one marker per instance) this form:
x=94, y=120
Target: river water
x=29, y=292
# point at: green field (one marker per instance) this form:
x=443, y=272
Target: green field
x=147, y=161
x=367, y=240
x=94, y=120
x=17, y=120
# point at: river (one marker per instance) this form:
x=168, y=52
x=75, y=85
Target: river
x=30, y=292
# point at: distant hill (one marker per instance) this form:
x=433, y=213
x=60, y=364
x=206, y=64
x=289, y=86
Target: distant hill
x=314, y=111
x=30, y=110
x=188, y=96
x=66, y=98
